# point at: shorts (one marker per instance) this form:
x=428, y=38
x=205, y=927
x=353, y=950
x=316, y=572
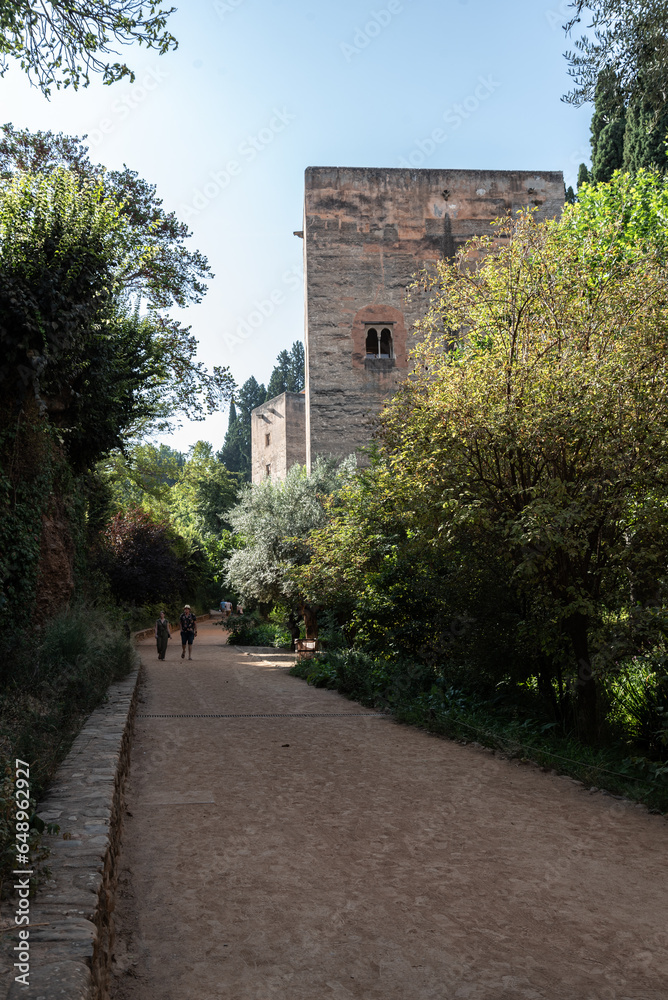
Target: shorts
x=187, y=637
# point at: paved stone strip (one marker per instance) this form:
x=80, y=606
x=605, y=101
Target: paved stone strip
x=276, y=715
x=71, y=932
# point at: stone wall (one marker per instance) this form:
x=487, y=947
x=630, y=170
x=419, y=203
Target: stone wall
x=278, y=436
x=71, y=917
x=366, y=233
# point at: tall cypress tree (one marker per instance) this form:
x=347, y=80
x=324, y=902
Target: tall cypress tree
x=288, y=374
x=607, y=128
x=608, y=155
x=625, y=135
x=645, y=138
x=230, y=454
x=236, y=451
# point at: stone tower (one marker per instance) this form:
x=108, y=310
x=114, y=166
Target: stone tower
x=366, y=233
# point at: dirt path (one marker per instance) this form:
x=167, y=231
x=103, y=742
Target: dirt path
x=293, y=858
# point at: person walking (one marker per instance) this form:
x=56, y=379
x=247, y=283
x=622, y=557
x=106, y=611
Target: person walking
x=188, y=630
x=162, y=635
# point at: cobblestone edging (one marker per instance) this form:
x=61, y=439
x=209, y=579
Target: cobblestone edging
x=71, y=930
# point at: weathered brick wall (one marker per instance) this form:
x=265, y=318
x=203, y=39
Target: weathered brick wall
x=282, y=421
x=366, y=233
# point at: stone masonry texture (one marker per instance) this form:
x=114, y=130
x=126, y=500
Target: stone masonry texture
x=278, y=436
x=366, y=233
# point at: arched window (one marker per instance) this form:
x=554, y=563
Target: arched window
x=372, y=342
x=379, y=341
x=385, y=350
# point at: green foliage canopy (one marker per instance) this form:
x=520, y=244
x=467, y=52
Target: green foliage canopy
x=544, y=426
x=272, y=521
x=158, y=265
x=627, y=36
x=70, y=253
x=288, y=373
x=59, y=43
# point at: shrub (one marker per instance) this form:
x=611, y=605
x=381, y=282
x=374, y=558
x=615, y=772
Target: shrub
x=249, y=630
x=139, y=559
x=379, y=683
x=51, y=682
x=638, y=699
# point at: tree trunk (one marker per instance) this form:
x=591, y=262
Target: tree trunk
x=546, y=687
x=310, y=622
x=293, y=625
x=586, y=708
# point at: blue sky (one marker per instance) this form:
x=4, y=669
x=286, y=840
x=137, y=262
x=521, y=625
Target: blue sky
x=260, y=89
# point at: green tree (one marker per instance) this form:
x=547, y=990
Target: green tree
x=623, y=68
x=189, y=494
x=400, y=588
x=61, y=44
x=542, y=430
x=142, y=476
x=158, y=264
x=607, y=127
x=236, y=452
x=271, y=522
x=288, y=374
x=231, y=454
x=68, y=255
x=631, y=210
x=629, y=39
x=204, y=492
x=608, y=155
x=625, y=134
x=645, y=137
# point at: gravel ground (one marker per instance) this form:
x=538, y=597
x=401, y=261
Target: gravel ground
x=303, y=848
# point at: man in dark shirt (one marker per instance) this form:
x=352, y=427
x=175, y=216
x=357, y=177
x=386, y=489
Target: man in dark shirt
x=188, y=630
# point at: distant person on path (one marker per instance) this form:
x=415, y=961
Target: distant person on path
x=188, y=630
x=162, y=635
x=226, y=608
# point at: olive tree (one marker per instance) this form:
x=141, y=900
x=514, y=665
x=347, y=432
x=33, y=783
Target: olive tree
x=627, y=37
x=271, y=523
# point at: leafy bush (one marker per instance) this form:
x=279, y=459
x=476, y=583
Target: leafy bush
x=378, y=683
x=330, y=632
x=139, y=559
x=51, y=681
x=249, y=630
x=639, y=703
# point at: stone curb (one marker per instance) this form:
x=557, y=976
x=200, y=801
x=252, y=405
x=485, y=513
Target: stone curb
x=70, y=950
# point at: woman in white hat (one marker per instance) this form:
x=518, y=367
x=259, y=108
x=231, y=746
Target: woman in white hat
x=188, y=630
